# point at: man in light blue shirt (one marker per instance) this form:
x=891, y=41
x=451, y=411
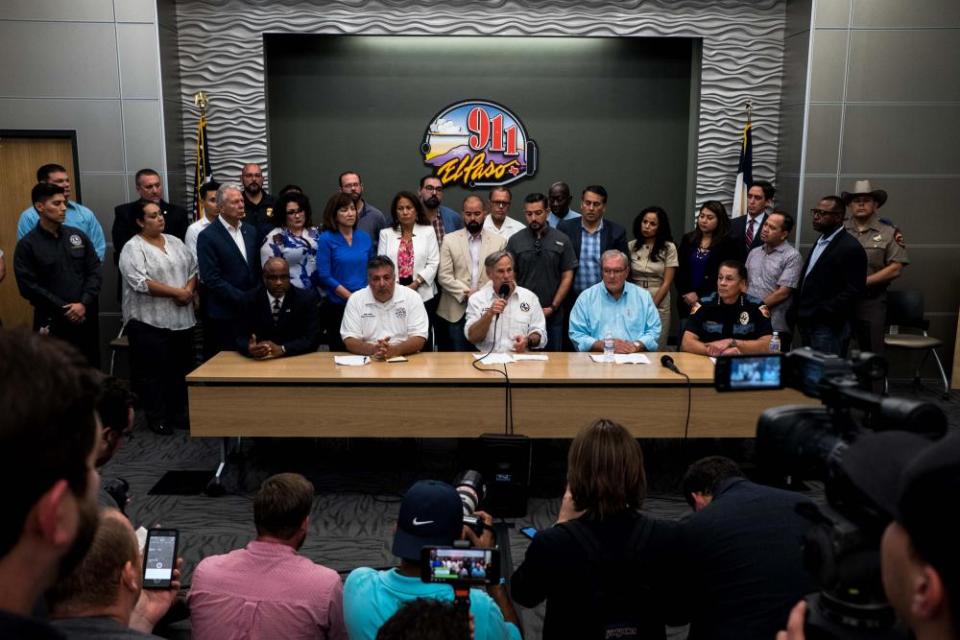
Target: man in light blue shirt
x=77, y=215
x=431, y=514
x=615, y=308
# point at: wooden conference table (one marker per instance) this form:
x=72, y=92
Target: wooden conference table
x=442, y=395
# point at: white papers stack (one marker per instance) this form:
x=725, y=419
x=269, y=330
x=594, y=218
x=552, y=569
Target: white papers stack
x=494, y=358
x=621, y=358
x=351, y=361
x=520, y=357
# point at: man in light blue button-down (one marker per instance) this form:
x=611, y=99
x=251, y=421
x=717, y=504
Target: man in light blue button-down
x=77, y=215
x=615, y=308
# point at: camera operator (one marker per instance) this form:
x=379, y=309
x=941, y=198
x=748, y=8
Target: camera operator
x=604, y=566
x=741, y=553
x=431, y=514
x=911, y=480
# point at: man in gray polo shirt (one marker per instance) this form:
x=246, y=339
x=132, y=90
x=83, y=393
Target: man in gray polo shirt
x=773, y=271
x=544, y=263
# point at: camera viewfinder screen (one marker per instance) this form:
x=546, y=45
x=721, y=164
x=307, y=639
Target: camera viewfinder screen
x=761, y=372
x=450, y=565
x=159, y=558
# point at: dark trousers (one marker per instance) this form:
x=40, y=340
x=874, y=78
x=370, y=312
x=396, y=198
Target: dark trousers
x=332, y=318
x=160, y=360
x=450, y=336
x=431, y=307
x=84, y=336
x=218, y=335
x=555, y=325
x=868, y=323
x=826, y=338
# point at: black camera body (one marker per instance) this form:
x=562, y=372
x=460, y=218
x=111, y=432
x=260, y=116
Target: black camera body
x=842, y=549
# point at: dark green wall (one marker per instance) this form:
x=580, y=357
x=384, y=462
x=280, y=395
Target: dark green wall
x=614, y=111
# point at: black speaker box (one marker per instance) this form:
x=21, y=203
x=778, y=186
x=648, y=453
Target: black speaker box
x=504, y=462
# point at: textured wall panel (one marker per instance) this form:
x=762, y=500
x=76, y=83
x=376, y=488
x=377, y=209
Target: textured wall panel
x=221, y=52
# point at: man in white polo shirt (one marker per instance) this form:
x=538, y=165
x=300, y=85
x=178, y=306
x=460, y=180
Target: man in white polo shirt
x=502, y=316
x=384, y=320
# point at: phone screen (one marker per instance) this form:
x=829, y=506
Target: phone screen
x=529, y=532
x=159, y=558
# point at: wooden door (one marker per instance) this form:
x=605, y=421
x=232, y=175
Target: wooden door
x=21, y=155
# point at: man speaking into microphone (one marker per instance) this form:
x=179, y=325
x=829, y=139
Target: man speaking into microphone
x=501, y=316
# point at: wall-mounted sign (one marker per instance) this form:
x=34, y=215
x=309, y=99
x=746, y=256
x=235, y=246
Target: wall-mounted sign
x=478, y=143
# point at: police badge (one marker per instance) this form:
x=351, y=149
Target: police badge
x=744, y=317
x=75, y=240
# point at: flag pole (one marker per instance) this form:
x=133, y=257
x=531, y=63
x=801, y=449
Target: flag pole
x=202, y=170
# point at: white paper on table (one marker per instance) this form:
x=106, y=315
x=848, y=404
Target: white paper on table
x=713, y=360
x=494, y=358
x=519, y=357
x=351, y=361
x=621, y=358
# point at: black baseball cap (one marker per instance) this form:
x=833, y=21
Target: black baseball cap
x=431, y=514
x=913, y=480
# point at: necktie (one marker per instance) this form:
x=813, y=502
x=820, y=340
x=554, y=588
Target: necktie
x=749, y=237
x=276, y=310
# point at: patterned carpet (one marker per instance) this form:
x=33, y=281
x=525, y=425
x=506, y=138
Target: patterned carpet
x=359, y=484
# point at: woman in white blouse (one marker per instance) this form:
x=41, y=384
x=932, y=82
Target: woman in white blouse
x=295, y=239
x=412, y=245
x=159, y=276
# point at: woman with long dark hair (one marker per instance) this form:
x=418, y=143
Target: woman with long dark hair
x=700, y=253
x=653, y=262
x=295, y=239
x=602, y=568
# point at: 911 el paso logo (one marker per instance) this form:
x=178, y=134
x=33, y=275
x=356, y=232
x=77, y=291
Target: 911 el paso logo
x=478, y=143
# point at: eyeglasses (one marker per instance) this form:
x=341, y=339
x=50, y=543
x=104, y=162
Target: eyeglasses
x=430, y=188
x=819, y=213
x=500, y=203
x=291, y=212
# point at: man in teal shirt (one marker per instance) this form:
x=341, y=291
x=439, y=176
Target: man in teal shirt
x=431, y=514
x=617, y=309
x=78, y=216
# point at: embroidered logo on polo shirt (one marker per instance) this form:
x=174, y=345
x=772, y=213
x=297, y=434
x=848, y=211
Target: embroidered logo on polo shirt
x=400, y=312
x=524, y=306
x=75, y=240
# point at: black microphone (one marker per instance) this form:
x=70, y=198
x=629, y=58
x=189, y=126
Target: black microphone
x=668, y=362
x=504, y=291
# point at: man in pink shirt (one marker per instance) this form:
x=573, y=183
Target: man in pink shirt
x=267, y=590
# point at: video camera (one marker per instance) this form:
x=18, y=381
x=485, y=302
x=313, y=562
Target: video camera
x=842, y=549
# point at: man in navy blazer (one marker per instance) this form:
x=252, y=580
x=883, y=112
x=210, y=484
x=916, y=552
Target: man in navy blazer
x=228, y=256
x=282, y=320
x=833, y=279
x=590, y=235
x=747, y=227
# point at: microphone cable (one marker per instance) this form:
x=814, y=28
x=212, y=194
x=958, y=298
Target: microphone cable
x=668, y=363
x=508, y=395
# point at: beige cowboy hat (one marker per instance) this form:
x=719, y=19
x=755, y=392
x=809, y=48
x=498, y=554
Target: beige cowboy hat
x=863, y=188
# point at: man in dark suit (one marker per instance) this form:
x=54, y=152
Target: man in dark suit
x=742, y=554
x=150, y=189
x=745, y=230
x=282, y=320
x=834, y=279
x=228, y=256
x=590, y=235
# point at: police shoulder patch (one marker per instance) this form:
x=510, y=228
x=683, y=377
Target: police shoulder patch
x=764, y=311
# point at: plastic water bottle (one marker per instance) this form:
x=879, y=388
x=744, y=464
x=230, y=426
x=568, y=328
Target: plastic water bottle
x=775, y=342
x=608, y=348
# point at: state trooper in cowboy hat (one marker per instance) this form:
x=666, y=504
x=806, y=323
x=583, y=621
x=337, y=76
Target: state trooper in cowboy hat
x=885, y=261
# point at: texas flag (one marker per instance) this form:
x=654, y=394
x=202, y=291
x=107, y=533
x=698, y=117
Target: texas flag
x=744, y=172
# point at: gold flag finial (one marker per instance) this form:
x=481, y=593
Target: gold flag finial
x=200, y=99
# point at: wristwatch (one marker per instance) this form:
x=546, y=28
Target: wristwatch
x=733, y=343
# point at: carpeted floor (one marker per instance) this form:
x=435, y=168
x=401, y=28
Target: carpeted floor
x=359, y=484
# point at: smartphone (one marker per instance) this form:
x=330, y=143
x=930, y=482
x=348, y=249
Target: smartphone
x=460, y=565
x=529, y=532
x=749, y=373
x=160, y=558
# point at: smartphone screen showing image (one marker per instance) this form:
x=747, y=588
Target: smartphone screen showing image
x=160, y=556
x=529, y=532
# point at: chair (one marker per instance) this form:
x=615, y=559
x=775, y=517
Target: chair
x=905, y=311
x=120, y=343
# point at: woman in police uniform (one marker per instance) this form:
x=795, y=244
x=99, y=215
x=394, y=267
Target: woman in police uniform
x=728, y=322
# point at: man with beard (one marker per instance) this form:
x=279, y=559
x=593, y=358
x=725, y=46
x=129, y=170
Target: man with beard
x=49, y=439
x=443, y=219
x=369, y=218
x=461, y=273
x=257, y=203
x=746, y=229
x=103, y=598
x=545, y=263
x=267, y=589
x=559, y=202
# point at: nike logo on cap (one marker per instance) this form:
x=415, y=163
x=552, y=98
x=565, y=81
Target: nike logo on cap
x=417, y=523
